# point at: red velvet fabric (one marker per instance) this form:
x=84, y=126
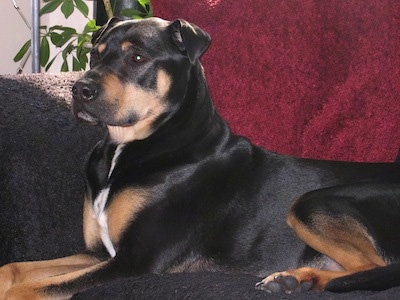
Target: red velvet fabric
x=310, y=78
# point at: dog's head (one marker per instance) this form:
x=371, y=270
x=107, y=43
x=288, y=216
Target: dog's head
x=139, y=70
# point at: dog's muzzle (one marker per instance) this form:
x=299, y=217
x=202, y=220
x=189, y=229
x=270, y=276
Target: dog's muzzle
x=85, y=90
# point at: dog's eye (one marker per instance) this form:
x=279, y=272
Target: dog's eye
x=138, y=58
x=94, y=54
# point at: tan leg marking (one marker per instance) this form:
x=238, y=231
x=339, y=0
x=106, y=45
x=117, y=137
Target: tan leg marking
x=37, y=289
x=91, y=229
x=16, y=274
x=123, y=209
x=26, y=280
x=344, y=240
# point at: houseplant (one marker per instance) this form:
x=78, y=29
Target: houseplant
x=74, y=45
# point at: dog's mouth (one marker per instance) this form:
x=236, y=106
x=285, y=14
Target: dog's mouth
x=83, y=115
x=87, y=117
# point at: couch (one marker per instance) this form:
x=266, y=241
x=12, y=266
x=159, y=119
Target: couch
x=311, y=78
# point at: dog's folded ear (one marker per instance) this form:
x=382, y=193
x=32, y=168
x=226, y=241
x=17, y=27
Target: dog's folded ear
x=97, y=35
x=190, y=39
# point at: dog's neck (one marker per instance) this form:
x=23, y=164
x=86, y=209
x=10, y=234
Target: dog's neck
x=196, y=112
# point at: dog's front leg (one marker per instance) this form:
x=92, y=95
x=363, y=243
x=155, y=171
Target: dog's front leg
x=18, y=273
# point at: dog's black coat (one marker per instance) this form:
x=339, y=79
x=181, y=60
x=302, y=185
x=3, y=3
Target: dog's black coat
x=215, y=196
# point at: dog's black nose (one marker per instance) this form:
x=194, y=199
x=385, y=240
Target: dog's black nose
x=85, y=90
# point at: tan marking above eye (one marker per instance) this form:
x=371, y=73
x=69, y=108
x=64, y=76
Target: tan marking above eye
x=126, y=45
x=101, y=47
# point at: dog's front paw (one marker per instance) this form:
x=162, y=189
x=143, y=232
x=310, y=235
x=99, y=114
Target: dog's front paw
x=283, y=282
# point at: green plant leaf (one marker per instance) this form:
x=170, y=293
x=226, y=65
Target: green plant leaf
x=82, y=7
x=22, y=51
x=44, y=51
x=144, y=3
x=67, y=50
x=57, y=27
x=131, y=13
x=67, y=8
x=64, y=39
x=137, y=17
x=55, y=38
x=82, y=54
x=91, y=26
x=50, y=6
x=82, y=64
x=64, y=66
x=51, y=62
x=84, y=60
x=60, y=39
x=68, y=30
x=76, y=66
x=84, y=43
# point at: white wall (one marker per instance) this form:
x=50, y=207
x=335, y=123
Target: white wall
x=14, y=33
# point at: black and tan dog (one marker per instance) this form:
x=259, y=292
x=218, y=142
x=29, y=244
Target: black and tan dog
x=171, y=189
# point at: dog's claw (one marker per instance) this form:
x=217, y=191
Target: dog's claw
x=270, y=287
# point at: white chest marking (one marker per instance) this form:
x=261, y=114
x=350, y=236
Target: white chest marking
x=99, y=205
x=101, y=216
x=114, y=160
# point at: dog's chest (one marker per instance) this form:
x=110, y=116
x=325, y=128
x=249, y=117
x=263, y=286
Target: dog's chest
x=99, y=206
